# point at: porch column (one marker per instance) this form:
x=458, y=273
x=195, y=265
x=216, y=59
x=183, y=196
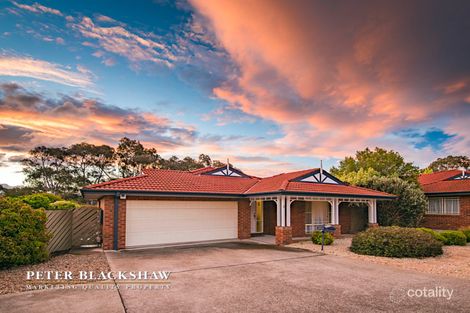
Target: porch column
x=372, y=212
x=288, y=211
x=283, y=228
x=335, y=216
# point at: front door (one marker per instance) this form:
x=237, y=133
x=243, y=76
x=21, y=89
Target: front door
x=257, y=217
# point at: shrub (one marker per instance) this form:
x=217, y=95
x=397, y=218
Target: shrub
x=406, y=210
x=433, y=233
x=466, y=232
x=23, y=235
x=40, y=200
x=317, y=237
x=63, y=205
x=396, y=242
x=454, y=238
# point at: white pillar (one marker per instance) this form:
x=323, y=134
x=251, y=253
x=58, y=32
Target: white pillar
x=335, y=212
x=278, y=210
x=283, y=211
x=373, y=211
x=288, y=211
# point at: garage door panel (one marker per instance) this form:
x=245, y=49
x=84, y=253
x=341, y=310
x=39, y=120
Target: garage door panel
x=161, y=222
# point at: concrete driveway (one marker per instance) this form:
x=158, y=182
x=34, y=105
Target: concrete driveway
x=242, y=277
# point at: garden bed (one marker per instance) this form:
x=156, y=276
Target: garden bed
x=14, y=279
x=454, y=262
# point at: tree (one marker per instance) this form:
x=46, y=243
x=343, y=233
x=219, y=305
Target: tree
x=91, y=163
x=384, y=163
x=47, y=170
x=407, y=210
x=450, y=163
x=387, y=171
x=132, y=157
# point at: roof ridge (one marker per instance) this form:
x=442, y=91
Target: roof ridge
x=364, y=188
x=110, y=182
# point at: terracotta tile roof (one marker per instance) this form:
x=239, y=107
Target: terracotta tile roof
x=178, y=181
x=284, y=182
x=441, y=182
x=154, y=180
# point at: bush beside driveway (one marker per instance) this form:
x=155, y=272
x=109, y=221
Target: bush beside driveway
x=454, y=262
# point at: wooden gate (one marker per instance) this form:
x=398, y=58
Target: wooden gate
x=59, y=225
x=73, y=228
x=86, y=227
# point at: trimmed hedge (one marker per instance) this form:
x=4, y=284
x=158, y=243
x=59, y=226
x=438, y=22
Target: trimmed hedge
x=466, y=232
x=454, y=238
x=40, y=200
x=63, y=205
x=433, y=233
x=23, y=234
x=396, y=242
x=317, y=236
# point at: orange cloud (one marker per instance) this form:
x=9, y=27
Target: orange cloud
x=335, y=80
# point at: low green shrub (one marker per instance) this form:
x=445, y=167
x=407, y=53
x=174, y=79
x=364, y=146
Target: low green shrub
x=433, y=233
x=454, y=238
x=466, y=232
x=396, y=242
x=63, y=205
x=23, y=234
x=40, y=200
x=317, y=238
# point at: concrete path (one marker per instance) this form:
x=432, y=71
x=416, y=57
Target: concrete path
x=242, y=277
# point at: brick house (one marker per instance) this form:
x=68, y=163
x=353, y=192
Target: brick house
x=168, y=207
x=448, y=194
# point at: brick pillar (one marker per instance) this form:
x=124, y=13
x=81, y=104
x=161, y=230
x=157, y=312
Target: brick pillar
x=337, y=232
x=107, y=205
x=122, y=224
x=283, y=235
x=373, y=225
x=244, y=219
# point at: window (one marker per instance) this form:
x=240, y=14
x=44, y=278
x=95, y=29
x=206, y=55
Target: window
x=443, y=206
x=317, y=214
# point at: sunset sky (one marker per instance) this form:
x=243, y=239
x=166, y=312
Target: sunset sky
x=273, y=85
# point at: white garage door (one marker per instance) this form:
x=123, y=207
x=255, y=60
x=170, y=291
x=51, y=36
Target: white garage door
x=162, y=222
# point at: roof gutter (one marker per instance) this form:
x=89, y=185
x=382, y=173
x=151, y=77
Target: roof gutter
x=225, y=195
x=456, y=193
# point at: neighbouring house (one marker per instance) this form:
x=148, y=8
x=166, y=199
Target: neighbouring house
x=168, y=207
x=448, y=194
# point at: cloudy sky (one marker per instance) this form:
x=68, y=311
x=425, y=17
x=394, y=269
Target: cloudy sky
x=273, y=85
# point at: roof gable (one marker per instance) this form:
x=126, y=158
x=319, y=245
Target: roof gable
x=318, y=176
x=226, y=171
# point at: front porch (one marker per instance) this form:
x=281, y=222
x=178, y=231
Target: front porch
x=288, y=217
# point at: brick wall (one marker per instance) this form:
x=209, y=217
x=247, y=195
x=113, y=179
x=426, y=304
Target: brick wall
x=450, y=221
x=107, y=205
x=297, y=215
x=244, y=219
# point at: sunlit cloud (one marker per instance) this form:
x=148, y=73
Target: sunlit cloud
x=13, y=65
x=121, y=41
x=67, y=119
x=334, y=91
x=37, y=8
